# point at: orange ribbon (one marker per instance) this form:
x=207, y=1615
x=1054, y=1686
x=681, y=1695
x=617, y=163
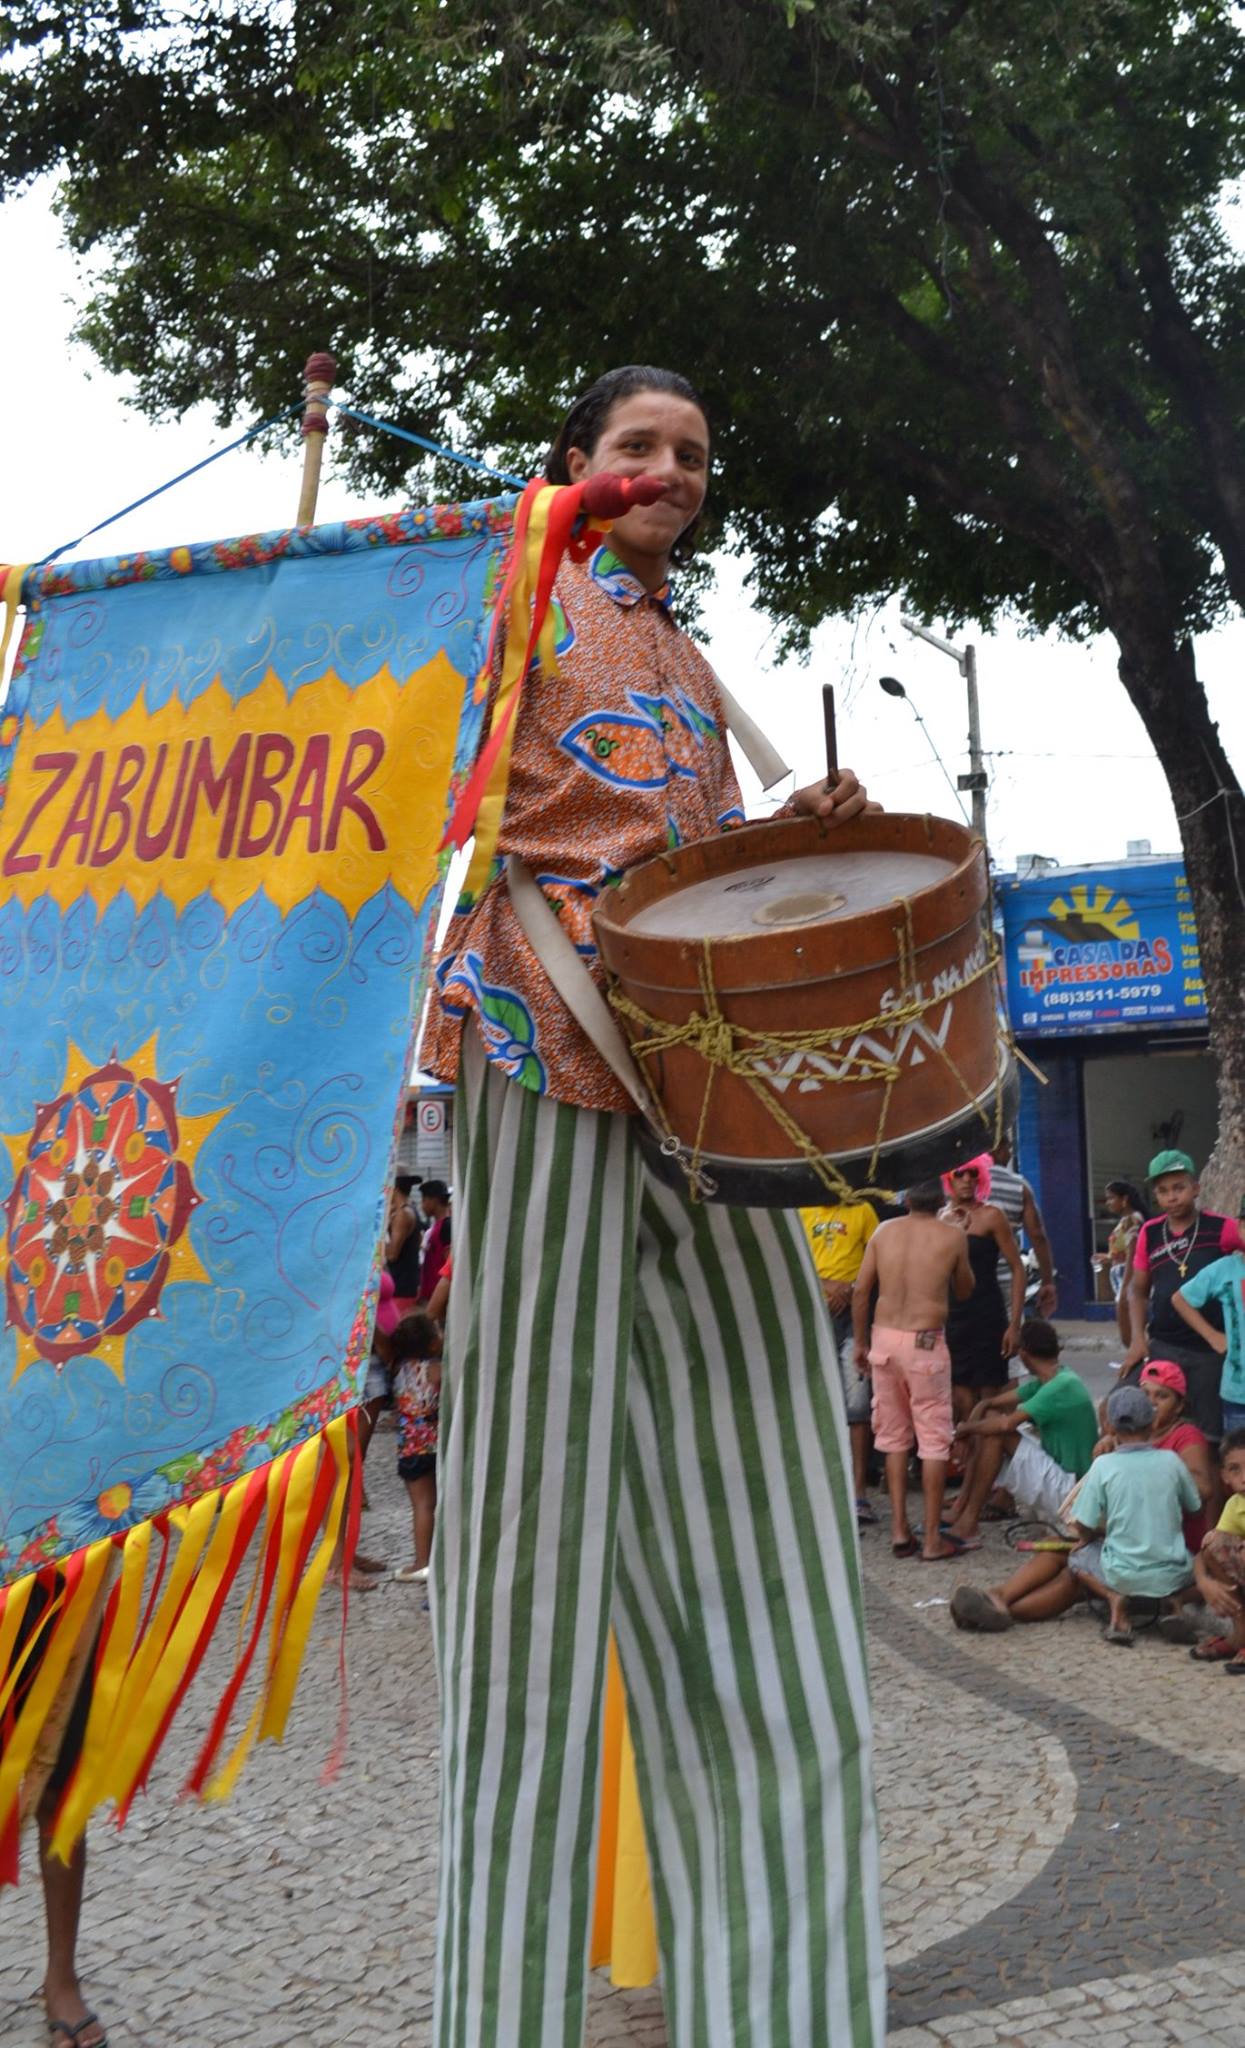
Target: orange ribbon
x=544, y=521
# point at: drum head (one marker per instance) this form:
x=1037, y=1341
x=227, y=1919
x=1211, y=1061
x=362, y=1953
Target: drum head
x=781, y=895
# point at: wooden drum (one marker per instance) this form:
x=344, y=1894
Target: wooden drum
x=795, y=977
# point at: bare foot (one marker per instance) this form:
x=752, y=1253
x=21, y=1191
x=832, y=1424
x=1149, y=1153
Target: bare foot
x=359, y=1582
x=369, y=1564
x=68, y=2015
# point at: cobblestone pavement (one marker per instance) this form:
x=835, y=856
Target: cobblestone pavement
x=1063, y=1843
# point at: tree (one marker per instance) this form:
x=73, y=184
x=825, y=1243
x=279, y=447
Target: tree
x=956, y=279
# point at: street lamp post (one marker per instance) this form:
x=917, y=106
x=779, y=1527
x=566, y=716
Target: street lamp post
x=894, y=688
x=965, y=659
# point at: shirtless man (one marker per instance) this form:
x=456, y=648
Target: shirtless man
x=912, y=1262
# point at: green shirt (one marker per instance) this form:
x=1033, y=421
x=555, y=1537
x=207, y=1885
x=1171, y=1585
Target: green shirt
x=1063, y=1415
x=1141, y=1496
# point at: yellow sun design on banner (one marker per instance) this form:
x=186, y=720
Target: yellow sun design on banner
x=97, y=1223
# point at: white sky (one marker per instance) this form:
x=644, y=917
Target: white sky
x=1072, y=773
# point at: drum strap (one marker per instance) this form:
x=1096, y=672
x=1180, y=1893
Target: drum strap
x=762, y=757
x=544, y=933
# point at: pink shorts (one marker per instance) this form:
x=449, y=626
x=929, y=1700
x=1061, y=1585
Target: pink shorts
x=911, y=1391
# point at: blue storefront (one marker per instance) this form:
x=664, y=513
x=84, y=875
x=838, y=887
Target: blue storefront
x=1104, y=988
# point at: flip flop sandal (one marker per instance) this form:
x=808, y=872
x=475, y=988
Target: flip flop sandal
x=75, y=2034
x=1235, y=1669
x=972, y=1609
x=907, y=1549
x=1215, y=1650
x=865, y=1512
x=1177, y=1628
x=958, y=1546
x=1123, y=1637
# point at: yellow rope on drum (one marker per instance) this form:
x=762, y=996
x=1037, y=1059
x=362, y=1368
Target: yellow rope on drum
x=736, y=1049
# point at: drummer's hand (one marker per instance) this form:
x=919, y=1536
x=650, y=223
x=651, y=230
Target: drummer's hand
x=837, y=800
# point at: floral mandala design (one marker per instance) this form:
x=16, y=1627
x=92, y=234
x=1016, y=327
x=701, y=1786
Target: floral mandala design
x=96, y=1222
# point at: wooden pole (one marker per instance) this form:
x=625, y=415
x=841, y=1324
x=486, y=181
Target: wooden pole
x=832, y=744
x=319, y=374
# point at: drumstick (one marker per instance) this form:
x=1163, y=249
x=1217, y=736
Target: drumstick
x=832, y=745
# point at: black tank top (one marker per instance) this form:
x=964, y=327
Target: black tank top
x=404, y=1270
x=985, y=1305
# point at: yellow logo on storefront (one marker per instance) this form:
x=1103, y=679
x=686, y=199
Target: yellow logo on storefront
x=1097, y=910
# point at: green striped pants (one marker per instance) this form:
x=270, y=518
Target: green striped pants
x=641, y=1422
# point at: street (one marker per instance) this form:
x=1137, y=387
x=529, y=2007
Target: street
x=1063, y=1842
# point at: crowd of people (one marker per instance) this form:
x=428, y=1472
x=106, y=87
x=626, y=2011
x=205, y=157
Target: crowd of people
x=403, y=1382
x=1137, y=1503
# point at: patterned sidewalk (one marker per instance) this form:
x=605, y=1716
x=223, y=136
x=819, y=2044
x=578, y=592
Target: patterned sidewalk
x=1064, y=1837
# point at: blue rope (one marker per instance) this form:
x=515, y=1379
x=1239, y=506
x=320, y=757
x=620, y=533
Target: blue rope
x=383, y=426
x=215, y=456
x=517, y=483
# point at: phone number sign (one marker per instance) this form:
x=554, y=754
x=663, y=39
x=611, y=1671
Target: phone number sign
x=1102, y=950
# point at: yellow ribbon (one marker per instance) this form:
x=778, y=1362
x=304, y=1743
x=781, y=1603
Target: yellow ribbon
x=62, y=1635
x=284, y=1676
x=12, y=1613
x=87, y=1785
x=306, y=1459
x=514, y=669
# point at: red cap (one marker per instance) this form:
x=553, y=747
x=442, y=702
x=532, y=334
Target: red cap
x=1163, y=1372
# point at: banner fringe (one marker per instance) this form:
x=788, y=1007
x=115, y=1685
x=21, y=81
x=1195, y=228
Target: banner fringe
x=289, y=1516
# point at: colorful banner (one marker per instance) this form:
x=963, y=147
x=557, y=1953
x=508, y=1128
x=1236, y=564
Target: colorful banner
x=1102, y=949
x=225, y=772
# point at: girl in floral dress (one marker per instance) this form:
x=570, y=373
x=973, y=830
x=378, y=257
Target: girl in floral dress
x=416, y=1358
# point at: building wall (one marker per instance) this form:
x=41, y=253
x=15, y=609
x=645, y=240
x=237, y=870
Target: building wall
x=1139, y=1103
x=1102, y=1115
x=1051, y=1153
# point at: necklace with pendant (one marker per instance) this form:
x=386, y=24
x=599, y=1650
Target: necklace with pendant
x=1184, y=1243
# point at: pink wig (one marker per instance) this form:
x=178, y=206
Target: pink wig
x=981, y=1166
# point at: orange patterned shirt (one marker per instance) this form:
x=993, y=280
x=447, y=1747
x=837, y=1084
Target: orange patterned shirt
x=621, y=755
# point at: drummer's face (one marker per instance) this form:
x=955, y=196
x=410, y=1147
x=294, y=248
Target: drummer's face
x=652, y=433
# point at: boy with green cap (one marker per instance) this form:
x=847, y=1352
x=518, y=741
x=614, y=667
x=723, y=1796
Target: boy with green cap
x=1181, y=1241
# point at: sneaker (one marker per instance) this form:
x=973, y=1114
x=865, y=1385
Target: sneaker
x=411, y=1574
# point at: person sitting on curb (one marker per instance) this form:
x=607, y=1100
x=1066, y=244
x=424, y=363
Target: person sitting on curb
x=1035, y=1440
x=1128, y=1512
x=1218, y=1568
x=1164, y=1385
x=914, y=1262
